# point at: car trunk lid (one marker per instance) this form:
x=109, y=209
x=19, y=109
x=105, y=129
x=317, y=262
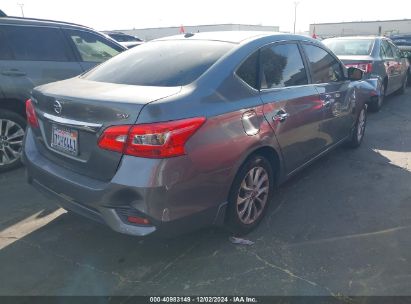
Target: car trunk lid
x=73, y=114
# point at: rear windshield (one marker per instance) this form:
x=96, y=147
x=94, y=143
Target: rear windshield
x=348, y=47
x=161, y=63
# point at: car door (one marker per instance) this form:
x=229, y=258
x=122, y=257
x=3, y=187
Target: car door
x=401, y=65
x=335, y=92
x=291, y=104
x=91, y=49
x=391, y=66
x=37, y=55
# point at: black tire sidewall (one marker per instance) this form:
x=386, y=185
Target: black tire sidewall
x=18, y=119
x=354, y=142
x=234, y=224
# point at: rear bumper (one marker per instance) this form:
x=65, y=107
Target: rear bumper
x=170, y=207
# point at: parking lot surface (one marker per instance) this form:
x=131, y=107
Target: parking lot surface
x=340, y=227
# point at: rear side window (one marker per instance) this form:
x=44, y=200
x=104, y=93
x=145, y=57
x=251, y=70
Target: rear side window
x=386, y=50
x=5, y=52
x=36, y=43
x=248, y=71
x=161, y=63
x=91, y=47
x=396, y=51
x=282, y=66
x=324, y=67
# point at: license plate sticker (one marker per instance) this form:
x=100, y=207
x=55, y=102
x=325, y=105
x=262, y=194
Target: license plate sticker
x=64, y=140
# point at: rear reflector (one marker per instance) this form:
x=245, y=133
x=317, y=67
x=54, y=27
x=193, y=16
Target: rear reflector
x=154, y=140
x=138, y=220
x=31, y=114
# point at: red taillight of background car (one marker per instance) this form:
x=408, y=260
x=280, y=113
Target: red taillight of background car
x=31, y=114
x=365, y=66
x=154, y=140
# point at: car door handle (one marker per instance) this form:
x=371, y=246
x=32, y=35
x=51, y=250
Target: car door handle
x=13, y=72
x=281, y=116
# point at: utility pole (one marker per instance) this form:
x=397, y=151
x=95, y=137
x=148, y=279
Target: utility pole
x=21, y=8
x=295, y=13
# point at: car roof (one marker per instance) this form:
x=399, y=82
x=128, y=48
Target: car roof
x=236, y=37
x=39, y=22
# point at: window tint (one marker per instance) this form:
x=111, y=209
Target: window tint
x=248, y=70
x=324, y=67
x=36, y=43
x=282, y=66
x=93, y=48
x=386, y=51
x=161, y=63
x=5, y=52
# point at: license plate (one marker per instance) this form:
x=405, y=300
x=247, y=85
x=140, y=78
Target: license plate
x=64, y=140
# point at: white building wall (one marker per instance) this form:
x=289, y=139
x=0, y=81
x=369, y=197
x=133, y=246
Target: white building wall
x=154, y=33
x=385, y=28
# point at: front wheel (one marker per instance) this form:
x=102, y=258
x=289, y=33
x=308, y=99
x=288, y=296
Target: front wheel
x=250, y=195
x=358, y=132
x=404, y=85
x=376, y=105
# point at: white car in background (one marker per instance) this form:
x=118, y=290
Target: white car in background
x=125, y=40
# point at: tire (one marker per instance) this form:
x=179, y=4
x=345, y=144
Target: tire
x=357, y=134
x=12, y=130
x=404, y=85
x=243, y=217
x=376, y=105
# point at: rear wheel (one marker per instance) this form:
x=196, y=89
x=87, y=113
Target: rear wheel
x=250, y=195
x=12, y=130
x=404, y=85
x=357, y=134
x=376, y=105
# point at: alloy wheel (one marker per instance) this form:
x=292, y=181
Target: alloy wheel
x=361, y=125
x=253, y=195
x=382, y=96
x=11, y=141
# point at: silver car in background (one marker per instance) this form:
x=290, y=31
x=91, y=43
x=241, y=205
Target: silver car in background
x=383, y=63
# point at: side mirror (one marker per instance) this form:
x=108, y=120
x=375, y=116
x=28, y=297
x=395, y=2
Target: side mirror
x=355, y=74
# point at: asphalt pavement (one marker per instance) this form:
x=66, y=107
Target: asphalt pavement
x=341, y=227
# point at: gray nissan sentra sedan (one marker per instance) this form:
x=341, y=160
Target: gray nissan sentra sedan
x=190, y=131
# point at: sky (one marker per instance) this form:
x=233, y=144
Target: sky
x=128, y=14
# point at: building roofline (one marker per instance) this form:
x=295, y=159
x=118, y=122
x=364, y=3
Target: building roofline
x=42, y=20
x=185, y=26
x=350, y=22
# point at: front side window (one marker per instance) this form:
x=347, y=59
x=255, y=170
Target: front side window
x=91, y=47
x=36, y=43
x=161, y=63
x=248, y=71
x=324, y=67
x=282, y=66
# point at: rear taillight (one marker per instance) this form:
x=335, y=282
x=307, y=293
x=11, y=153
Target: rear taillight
x=366, y=66
x=154, y=140
x=31, y=114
